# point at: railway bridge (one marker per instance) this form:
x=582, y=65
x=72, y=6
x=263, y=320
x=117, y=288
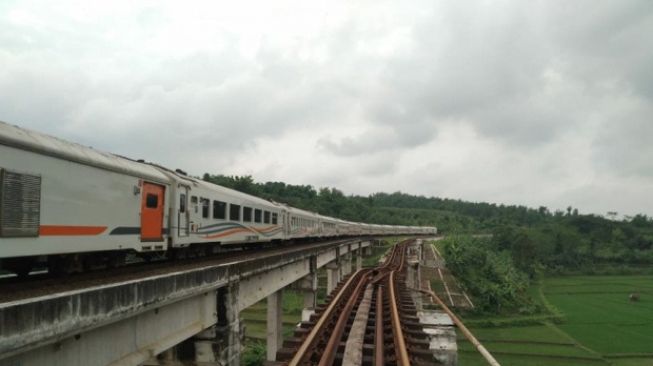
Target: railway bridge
x=159, y=314
x=135, y=317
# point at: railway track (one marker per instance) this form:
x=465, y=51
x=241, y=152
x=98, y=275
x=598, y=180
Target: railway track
x=369, y=319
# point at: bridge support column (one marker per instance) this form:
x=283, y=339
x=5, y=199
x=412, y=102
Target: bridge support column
x=359, y=257
x=367, y=250
x=308, y=285
x=222, y=343
x=274, y=324
x=333, y=275
x=227, y=342
x=207, y=346
x=345, y=265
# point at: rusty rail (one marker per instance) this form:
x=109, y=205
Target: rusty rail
x=322, y=345
x=468, y=334
x=303, y=352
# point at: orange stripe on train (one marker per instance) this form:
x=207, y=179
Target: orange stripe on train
x=67, y=230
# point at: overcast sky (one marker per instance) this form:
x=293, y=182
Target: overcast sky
x=518, y=102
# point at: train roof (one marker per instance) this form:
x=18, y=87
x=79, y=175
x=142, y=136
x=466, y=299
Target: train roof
x=18, y=137
x=299, y=211
x=224, y=190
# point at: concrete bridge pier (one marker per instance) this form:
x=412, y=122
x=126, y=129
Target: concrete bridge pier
x=222, y=343
x=345, y=264
x=333, y=275
x=367, y=250
x=359, y=256
x=308, y=285
x=274, y=324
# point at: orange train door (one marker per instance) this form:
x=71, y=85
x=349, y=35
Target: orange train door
x=152, y=212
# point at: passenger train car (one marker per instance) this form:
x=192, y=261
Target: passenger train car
x=73, y=206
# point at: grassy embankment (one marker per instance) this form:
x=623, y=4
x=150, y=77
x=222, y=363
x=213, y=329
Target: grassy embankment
x=586, y=320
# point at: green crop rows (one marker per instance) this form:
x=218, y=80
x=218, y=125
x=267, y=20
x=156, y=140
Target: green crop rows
x=598, y=325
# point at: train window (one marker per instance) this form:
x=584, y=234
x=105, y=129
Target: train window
x=193, y=202
x=151, y=200
x=274, y=218
x=257, y=215
x=266, y=217
x=182, y=203
x=234, y=212
x=205, y=207
x=219, y=210
x=247, y=214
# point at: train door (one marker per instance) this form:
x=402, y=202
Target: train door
x=182, y=212
x=286, y=223
x=152, y=212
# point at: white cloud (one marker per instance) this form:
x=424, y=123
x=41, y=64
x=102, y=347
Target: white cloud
x=538, y=103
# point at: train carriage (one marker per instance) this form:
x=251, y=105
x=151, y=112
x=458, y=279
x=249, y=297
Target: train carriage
x=60, y=198
x=327, y=226
x=208, y=213
x=303, y=224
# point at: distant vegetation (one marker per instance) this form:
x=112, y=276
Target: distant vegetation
x=512, y=270
x=525, y=242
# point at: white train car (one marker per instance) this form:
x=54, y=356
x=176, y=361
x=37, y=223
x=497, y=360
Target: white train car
x=328, y=226
x=58, y=198
x=303, y=224
x=207, y=213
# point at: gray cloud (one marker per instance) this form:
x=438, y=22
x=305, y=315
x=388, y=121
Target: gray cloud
x=545, y=102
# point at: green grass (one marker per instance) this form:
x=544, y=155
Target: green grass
x=599, y=315
x=590, y=321
x=474, y=359
x=532, y=333
x=255, y=317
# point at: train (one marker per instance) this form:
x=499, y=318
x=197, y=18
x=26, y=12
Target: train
x=71, y=207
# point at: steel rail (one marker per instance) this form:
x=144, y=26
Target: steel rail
x=401, y=352
x=468, y=334
x=332, y=323
x=302, y=352
x=379, y=349
x=331, y=348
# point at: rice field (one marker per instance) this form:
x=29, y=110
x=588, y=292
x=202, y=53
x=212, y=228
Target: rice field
x=600, y=326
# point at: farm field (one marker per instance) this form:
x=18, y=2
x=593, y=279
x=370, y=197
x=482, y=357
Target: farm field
x=599, y=315
x=600, y=326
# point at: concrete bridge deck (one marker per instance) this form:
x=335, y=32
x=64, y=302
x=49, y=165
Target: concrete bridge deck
x=133, y=321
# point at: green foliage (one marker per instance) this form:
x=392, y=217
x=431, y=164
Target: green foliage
x=254, y=354
x=488, y=273
x=536, y=240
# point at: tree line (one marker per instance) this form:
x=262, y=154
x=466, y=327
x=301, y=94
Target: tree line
x=524, y=244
